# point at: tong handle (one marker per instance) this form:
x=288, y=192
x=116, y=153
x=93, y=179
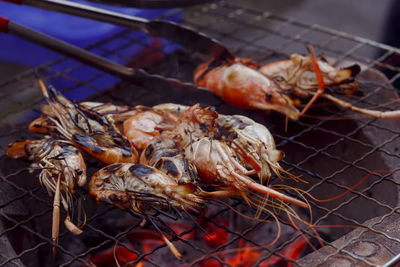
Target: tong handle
x=4, y=24
x=158, y=28
x=86, y=11
x=138, y=75
x=14, y=1
x=62, y=47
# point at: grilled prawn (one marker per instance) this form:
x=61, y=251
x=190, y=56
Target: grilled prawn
x=297, y=73
x=308, y=76
x=143, y=190
x=62, y=172
x=252, y=141
x=240, y=84
x=324, y=75
x=87, y=129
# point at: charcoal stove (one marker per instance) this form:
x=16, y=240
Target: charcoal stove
x=332, y=154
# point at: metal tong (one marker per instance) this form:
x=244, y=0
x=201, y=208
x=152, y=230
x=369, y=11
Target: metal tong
x=183, y=35
x=153, y=3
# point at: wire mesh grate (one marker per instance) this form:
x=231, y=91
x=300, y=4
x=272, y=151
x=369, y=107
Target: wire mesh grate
x=332, y=154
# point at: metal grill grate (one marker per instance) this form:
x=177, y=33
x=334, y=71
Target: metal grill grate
x=331, y=154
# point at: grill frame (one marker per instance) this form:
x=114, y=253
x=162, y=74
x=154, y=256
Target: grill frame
x=55, y=70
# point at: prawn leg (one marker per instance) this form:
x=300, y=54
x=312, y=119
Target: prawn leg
x=395, y=114
x=320, y=80
x=169, y=244
x=266, y=190
x=172, y=247
x=56, y=217
x=71, y=226
x=220, y=194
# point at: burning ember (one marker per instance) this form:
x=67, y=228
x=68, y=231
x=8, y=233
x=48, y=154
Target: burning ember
x=248, y=255
x=148, y=240
x=214, y=235
x=210, y=235
x=114, y=257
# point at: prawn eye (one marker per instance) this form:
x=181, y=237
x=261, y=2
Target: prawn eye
x=279, y=78
x=268, y=96
x=78, y=171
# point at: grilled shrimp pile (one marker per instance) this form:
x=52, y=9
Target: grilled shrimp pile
x=157, y=160
x=283, y=86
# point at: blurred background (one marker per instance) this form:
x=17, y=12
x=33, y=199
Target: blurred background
x=366, y=18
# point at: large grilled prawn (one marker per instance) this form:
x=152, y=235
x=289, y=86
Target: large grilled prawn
x=218, y=163
x=87, y=129
x=143, y=190
x=62, y=172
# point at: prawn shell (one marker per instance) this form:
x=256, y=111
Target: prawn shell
x=141, y=129
x=107, y=155
x=105, y=108
x=76, y=165
x=206, y=159
x=164, y=156
x=41, y=125
x=171, y=108
x=17, y=150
